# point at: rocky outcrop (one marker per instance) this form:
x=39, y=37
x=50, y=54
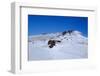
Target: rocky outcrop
x=52, y=43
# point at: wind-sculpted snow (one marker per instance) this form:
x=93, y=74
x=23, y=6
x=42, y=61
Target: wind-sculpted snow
x=68, y=45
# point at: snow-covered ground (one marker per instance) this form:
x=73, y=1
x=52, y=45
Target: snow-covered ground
x=72, y=46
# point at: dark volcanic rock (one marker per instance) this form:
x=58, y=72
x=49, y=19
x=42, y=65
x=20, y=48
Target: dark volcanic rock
x=52, y=43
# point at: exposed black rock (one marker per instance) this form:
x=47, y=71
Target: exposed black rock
x=63, y=33
x=70, y=31
x=58, y=41
x=52, y=43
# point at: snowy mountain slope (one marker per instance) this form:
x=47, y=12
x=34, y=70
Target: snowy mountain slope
x=65, y=45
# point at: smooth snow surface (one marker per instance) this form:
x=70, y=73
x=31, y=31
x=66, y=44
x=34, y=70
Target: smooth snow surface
x=72, y=46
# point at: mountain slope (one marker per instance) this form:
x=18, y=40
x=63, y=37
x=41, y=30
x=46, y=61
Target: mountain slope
x=62, y=45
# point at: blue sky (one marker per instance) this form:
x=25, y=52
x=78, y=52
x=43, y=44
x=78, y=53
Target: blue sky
x=38, y=24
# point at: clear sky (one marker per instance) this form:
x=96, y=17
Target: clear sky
x=38, y=24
